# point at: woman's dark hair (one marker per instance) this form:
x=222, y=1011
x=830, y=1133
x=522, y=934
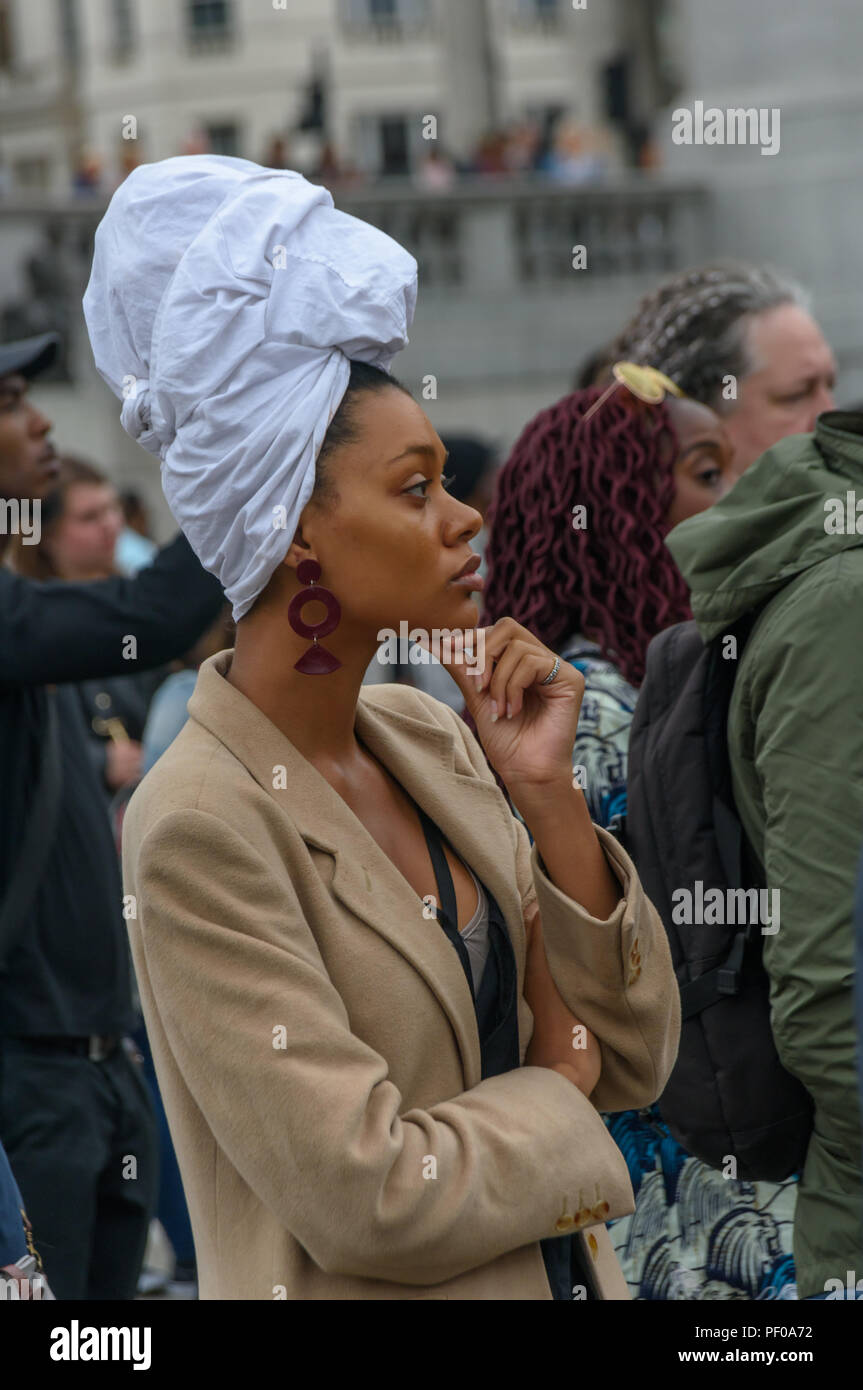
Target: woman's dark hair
x=363, y=380
x=594, y=371
x=613, y=581
x=469, y=460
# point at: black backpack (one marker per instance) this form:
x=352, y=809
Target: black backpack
x=728, y=1093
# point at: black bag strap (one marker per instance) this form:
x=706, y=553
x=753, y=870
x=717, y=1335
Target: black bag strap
x=724, y=979
x=496, y=1000
x=715, y=984
x=443, y=877
x=718, y=691
x=38, y=834
x=447, y=913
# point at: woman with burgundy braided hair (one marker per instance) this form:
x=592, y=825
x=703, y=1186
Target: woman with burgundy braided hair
x=577, y=555
x=741, y=339
x=597, y=584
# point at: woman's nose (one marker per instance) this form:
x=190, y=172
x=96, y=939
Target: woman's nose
x=467, y=522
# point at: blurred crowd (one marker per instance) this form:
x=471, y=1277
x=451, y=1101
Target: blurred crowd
x=559, y=148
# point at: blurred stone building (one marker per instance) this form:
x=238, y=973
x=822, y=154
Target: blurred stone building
x=359, y=74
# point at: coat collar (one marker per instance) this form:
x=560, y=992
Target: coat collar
x=420, y=754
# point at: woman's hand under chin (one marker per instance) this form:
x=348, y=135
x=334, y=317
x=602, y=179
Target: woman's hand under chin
x=527, y=729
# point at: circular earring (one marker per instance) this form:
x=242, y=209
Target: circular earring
x=315, y=660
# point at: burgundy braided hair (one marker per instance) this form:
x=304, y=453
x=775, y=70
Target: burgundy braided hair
x=615, y=581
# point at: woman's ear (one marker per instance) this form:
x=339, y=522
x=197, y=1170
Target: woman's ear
x=298, y=550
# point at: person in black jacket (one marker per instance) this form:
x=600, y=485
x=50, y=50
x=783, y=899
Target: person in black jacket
x=75, y=1114
x=81, y=521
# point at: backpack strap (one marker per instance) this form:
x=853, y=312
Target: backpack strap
x=724, y=979
x=38, y=834
x=718, y=690
x=709, y=988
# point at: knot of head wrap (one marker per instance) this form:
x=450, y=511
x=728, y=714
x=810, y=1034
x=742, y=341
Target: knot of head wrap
x=140, y=421
x=224, y=306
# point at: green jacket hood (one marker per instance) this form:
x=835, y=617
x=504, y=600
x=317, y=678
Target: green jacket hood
x=774, y=522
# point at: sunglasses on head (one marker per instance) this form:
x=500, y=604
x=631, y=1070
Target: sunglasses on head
x=646, y=383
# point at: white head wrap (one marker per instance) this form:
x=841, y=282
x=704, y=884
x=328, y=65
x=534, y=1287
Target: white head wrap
x=224, y=303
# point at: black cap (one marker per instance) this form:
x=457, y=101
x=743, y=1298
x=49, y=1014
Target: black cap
x=29, y=356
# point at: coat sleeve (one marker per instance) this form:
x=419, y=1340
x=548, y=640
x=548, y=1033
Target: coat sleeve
x=54, y=632
x=316, y=1128
x=615, y=975
x=804, y=705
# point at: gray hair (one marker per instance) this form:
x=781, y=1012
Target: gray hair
x=693, y=325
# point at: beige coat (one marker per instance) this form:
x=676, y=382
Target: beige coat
x=314, y=1035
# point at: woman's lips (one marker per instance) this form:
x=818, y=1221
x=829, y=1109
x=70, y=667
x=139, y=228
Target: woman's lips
x=470, y=582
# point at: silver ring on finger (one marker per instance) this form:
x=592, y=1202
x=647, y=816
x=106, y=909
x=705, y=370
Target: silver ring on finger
x=552, y=675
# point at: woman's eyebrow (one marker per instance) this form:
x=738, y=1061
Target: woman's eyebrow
x=428, y=450
x=700, y=444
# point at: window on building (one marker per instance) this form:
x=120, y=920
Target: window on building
x=209, y=16
x=209, y=25
x=537, y=14
x=384, y=19
x=7, y=56
x=389, y=144
x=395, y=145
x=122, y=29
x=224, y=138
x=70, y=45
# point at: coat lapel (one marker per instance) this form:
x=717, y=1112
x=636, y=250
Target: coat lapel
x=471, y=813
x=420, y=754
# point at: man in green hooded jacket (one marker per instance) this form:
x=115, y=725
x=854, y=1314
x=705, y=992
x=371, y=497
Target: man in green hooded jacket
x=786, y=544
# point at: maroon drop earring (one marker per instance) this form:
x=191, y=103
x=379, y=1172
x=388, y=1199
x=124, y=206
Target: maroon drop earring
x=315, y=660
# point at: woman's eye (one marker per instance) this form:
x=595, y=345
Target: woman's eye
x=426, y=482
x=446, y=479
x=710, y=477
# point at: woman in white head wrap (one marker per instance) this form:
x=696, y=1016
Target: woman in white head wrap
x=355, y=1107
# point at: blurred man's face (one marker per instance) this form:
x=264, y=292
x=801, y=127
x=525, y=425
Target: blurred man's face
x=792, y=383
x=28, y=463
x=84, y=539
